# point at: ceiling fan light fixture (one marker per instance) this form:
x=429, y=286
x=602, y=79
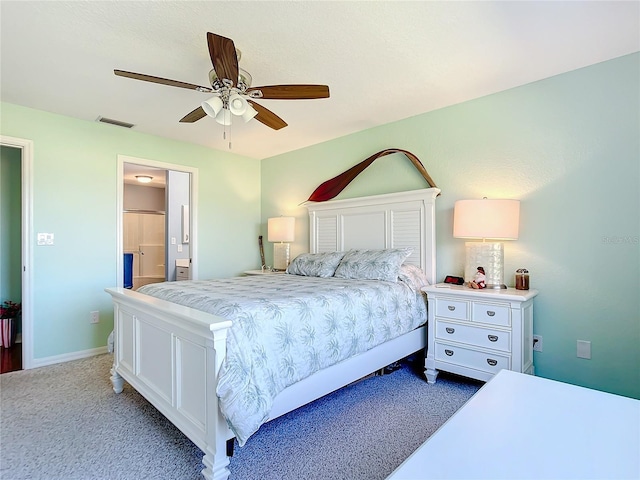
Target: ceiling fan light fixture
x=213, y=106
x=237, y=104
x=224, y=117
x=249, y=113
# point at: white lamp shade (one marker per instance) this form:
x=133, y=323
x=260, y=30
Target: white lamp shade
x=224, y=117
x=495, y=219
x=281, y=229
x=249, y=113
x=237, y=104
x=212, y=106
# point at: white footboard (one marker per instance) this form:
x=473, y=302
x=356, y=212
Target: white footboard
x=172, y=356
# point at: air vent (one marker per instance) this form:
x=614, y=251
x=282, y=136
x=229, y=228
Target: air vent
x=117, y=123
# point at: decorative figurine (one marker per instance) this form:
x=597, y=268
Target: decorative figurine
x=479, y=279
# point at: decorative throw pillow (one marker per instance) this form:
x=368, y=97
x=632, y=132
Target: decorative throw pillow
x=373, y=264
x=315, y=264
x=413, y=276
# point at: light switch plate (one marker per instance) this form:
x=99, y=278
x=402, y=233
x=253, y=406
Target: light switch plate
x=584, y=349
x=45, y=239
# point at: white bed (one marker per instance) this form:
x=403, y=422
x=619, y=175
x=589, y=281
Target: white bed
x=172, y=354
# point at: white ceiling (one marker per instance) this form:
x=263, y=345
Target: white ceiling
x=383, y=60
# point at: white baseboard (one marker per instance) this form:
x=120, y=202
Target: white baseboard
x=67, y=357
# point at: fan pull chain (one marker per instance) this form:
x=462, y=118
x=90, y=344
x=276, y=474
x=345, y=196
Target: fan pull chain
x=224, y=135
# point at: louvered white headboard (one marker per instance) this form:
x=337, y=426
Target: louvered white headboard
x=392, y=220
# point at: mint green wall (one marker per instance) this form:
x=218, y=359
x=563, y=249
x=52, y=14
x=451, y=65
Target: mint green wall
x=568, y=148
x=10, y=225
x=74, y=185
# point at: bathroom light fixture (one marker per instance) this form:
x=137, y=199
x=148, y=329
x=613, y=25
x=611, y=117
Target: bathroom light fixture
x=486, y=219
x=144, y=178
x=280, y=229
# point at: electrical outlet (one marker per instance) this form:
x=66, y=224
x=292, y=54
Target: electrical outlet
x=537, y=343
x=94, y=316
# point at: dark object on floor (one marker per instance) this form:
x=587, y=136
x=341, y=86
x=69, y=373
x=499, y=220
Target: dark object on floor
x=11, y=358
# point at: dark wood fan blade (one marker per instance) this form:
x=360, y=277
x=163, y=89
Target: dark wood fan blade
x=162, y=81
x=194, y=116
x=223, y=57
x=292, y=92
x=267, y=117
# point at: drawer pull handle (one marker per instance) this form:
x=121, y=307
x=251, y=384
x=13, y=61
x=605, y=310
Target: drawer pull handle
x=451, y=308
x=492, y=338
x=449, y=352
x=491, y=313
x=492, y=362
x=450, y=330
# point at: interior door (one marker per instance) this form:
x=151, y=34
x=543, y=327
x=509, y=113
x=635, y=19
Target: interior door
x=178, y=253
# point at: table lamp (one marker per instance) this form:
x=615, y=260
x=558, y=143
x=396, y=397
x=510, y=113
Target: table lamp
x=486, y=219
x=280, y=229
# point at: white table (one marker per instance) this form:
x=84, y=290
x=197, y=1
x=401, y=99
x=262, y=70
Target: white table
x=519, y=426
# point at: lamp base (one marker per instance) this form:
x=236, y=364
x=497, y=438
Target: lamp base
x=489, y=256
x=280, y=256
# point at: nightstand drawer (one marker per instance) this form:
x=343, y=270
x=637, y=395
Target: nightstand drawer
x=182, y=273
x=474, y=336
x=450, y=308
x=486, y=362
x=491, y=313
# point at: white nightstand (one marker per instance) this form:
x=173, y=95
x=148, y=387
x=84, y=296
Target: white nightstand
x=182, y=269
x=260, y=272
x=477, y=333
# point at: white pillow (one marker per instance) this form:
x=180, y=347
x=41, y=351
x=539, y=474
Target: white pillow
x=413, y=276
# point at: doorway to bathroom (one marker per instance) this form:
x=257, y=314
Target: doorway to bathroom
x=157, y=212
x=143, y=228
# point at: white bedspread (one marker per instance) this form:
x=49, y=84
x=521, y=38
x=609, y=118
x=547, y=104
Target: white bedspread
x=286, y=327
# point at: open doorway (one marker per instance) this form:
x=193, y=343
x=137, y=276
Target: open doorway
x=16, y=247
x=156, y=220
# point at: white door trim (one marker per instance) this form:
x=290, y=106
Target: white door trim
x=193, y=211
x=26, y=147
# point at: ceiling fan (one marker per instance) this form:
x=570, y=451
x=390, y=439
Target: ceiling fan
x=232, y=90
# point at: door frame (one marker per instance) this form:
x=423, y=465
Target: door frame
x=26, y=168
x=193, y=210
